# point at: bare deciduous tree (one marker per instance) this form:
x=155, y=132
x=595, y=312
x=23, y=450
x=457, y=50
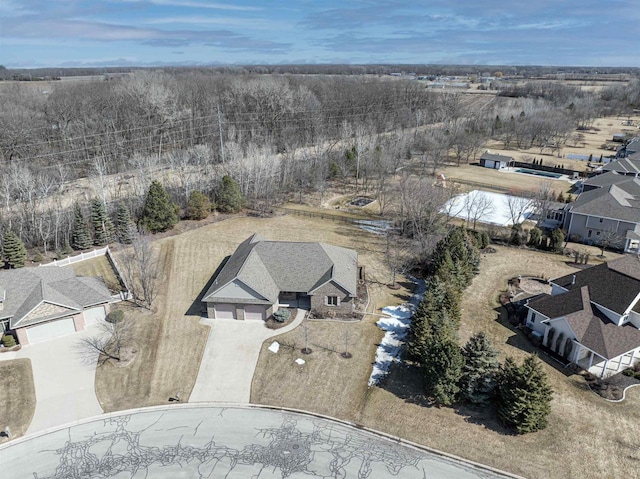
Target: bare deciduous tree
x=140, y=268
x=108, y=343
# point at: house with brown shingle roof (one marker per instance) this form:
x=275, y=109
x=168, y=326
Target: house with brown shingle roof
x=261, y=276
x=592, y=317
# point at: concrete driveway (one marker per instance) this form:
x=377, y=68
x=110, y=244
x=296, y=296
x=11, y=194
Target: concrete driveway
x=230, y=359
x=64, y=384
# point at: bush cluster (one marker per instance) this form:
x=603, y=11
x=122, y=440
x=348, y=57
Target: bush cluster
x=282, y=315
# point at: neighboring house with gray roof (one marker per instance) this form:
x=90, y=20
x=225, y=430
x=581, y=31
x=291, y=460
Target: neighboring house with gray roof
x=495, y=161
x=261, y=276
x=629, y=166
x=608, y=210
x=47, y=302
x=592, y=317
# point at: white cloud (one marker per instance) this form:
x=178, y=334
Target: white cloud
x=196, y=4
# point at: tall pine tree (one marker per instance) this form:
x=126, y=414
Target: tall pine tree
x=159, y=213
x=442, y=360
x=525, y=395
x=13, y=250
x=478, y=373
x=103, y=230
x=125, y=229
x=80, y=237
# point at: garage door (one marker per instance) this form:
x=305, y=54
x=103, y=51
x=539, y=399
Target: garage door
x=225, y=311
x=51, y=330
x=254, y=311
x=94, y=315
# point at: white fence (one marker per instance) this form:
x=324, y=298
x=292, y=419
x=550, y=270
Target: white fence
x=81, y=257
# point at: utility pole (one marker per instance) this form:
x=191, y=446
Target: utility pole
x=220, y=131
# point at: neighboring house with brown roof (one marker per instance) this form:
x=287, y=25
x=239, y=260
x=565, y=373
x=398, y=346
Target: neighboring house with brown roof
x=261, y=276
x=47, y=302
x=592, y=317
x=607, y=210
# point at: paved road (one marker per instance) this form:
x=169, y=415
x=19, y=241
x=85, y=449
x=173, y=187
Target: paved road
x=64, y=384
x=205, y=441
x=230, y=359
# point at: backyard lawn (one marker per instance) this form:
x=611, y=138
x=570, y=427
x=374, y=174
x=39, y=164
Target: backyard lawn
x=17, y=396
x=98, y=266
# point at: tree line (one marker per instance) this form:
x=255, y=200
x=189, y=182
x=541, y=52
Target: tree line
x=471, y=373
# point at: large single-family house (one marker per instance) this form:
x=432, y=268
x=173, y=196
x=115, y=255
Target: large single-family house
x=608, y=210
x=592, y=317
x=629, y=165
x=47, y=302
x=494, y=160
x=261, y=276
x=630, y=148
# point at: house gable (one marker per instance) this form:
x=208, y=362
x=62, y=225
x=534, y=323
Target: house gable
x=235, y=289
x=43, y=312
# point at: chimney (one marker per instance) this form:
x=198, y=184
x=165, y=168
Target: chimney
x=573, y=279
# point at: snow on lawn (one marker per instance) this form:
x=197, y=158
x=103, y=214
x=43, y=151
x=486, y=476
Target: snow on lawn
x=396, y=325
x=496, y=213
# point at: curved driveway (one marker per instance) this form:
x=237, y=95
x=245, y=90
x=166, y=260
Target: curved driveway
x=206, y=441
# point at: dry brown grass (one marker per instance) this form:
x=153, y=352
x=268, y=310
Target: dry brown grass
x=586, y=437
x=171, y=341
x=17, y=396
x=98, y=266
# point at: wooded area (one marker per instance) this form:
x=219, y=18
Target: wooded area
x=277, y=136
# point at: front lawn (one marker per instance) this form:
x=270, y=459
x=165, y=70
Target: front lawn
x=17, y=396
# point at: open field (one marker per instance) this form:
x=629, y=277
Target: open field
x=171, y=341
x=17, y=396
x=98, y=266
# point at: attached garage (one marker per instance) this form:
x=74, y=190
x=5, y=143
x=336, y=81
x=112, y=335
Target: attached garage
x=225, y=311
x=255, y=311
x=94, y=315
x=50, y=330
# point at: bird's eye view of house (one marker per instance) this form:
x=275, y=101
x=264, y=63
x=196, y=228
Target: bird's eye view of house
x=592, y=317
x=261, y=276
x=48, y=302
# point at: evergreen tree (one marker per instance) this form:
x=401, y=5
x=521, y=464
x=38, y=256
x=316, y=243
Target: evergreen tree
x=159, y=213
x=524, y=395
x=13, y=250
x=442, y=361
x=124, y=225
x=556, y=239
x=229, y=197
x=478, y=373
x=103, y=229
x=80, y=237
x=198, y=206
x=535, y=235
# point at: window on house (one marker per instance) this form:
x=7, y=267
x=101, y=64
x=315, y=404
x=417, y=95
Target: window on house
x=597, y=233
x=533, y=318
x=600, y=220
x=589, y=234
x=332, y=301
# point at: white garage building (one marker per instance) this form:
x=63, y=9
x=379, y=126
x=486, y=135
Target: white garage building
x=45, y=303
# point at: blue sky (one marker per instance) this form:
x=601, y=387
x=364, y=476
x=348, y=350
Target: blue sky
x=36, y=33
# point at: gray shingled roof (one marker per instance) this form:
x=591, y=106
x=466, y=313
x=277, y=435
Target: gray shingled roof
x=606, y=179
x=269, y=267
x=619, y=201
x=26, y=288
x=487, y=155
x=623, y=165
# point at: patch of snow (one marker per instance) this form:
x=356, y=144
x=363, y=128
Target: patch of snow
x=300, y=361
x=378, y=227
x=275, y=347
x=396, y=326
x=496, y=214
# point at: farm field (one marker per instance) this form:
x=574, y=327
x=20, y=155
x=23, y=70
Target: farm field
x=329, y=384
x=171, y=341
